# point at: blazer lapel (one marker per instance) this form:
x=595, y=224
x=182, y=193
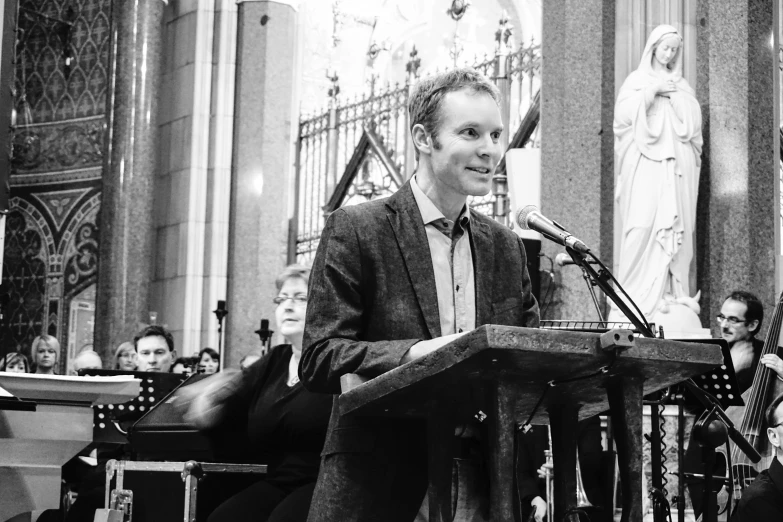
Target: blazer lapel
x=483, y=263
x=405, y=220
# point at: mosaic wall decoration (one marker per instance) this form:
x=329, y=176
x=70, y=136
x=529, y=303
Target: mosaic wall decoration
x=61, y=86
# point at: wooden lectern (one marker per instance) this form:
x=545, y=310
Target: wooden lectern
x=501, y=372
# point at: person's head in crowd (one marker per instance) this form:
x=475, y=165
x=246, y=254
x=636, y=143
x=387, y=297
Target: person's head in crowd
x=125, y=357
x=774, y=420
x=15, y=362
x=208, y=361
x=45, y=352
x=182, y=365
x=291, y=301
x=249, y=358
x=87, y=360
x=455, y=129
x=740, y=317
x=155, y=349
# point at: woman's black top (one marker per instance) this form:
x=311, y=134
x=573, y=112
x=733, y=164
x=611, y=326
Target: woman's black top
x=286, y=425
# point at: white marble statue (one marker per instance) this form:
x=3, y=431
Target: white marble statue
x=657, y=128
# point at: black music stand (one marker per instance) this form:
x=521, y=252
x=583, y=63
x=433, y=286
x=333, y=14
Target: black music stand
x=721, y=382
x=111, y=421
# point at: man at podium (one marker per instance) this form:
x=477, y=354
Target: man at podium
x=396, y=279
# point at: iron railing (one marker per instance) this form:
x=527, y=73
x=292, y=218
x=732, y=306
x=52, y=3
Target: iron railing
x=359, y=149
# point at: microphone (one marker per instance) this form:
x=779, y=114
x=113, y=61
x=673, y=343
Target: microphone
x=563, y=259
x=529, y=218
x=264, y=333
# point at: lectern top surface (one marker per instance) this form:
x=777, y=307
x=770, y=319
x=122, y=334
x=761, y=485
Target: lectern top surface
x=460, y=376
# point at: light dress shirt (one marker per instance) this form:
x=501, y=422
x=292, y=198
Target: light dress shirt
x=452, y=263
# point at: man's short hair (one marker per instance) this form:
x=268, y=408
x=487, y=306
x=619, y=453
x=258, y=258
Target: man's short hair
x=424, y=105
x=770, y=413
x=755, y=311
x=152, y=331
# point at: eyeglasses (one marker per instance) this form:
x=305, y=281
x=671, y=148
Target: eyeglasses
x=298, y=299
x=733, y=321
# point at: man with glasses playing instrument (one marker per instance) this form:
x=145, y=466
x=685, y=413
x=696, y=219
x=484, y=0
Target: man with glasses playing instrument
x=740, y=320
x=762, y=501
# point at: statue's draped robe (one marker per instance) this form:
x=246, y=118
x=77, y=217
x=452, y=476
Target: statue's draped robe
x=657, y=160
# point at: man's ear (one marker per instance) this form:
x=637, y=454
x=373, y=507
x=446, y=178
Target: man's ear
x=174, y=355
x=421, y=139
x=753, y=326
x=772, y=434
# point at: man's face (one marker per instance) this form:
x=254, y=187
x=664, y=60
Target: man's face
x=154, y=354
x=466, y=148
x=87, y=361
x=732, y=322
x=775, y=433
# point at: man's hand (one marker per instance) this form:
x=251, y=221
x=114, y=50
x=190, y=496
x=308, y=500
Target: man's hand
x=422, y=348
x=544, y=469
x=774, y=363
x=540, y=506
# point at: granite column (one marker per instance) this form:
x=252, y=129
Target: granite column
x=261, y=187
x=126, y=232
x=577, y=100
x=738, y=217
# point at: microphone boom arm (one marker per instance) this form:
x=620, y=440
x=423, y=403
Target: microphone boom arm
x=601, y=280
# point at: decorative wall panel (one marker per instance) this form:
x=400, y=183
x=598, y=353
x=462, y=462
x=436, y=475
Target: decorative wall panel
x=61, y=85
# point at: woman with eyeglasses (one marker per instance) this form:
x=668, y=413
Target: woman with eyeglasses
x=286, y=424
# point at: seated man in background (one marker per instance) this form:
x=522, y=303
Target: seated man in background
x=155, y=348
x=87, y=360
x=762, y=501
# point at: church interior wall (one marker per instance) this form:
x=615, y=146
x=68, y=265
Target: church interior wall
x=52, y=234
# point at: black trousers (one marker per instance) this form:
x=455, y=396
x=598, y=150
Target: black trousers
x=264, y=502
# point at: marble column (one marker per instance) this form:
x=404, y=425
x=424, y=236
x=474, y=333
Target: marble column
x=261, y=189
x=738, y=213
x=126, y=233
x=577, y=99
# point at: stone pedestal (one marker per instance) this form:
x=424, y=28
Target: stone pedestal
x=738, y=212
x=261, y=188
x=577, y=101
x=127, y=200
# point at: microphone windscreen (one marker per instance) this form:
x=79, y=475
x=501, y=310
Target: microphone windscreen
x=563, y=259
x=523, y=214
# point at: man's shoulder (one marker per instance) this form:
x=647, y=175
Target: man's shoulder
x=761, y=487
x=376, y=206
x=497, y=229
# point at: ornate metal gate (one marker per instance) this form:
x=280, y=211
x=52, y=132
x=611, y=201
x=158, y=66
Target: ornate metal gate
x=359, y=150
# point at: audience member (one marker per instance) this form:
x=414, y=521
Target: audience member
x=285, y=423
x=125, y=357
x=155, y=349
x=183, y=365
x=87, y=360
x=45, y=352
x=15, y=362
x=208, y=361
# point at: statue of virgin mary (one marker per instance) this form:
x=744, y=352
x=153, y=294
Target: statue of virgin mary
x=657, y=129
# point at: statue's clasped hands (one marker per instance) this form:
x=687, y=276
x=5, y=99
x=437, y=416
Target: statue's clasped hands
x=666, y=86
